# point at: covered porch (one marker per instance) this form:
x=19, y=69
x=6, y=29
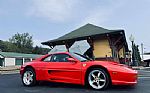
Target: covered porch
x=104, y=44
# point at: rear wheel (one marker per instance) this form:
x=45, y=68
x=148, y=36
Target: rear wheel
x=28, y=77
x=98, y=79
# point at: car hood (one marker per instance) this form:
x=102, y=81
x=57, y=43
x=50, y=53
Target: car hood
x=110, y=65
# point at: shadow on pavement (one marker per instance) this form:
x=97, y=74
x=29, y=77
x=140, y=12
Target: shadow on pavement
x=64, y=85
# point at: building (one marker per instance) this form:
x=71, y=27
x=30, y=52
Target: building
x=146, y=59
x=105, y=44
x=12, y=59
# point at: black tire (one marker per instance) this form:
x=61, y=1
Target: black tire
x=103, y=77
x=32, y=73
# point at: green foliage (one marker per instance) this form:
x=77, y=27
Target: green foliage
x=22, y=40
x=137, y=56
x=7, y=46
x=21, y=43
x=40, y=50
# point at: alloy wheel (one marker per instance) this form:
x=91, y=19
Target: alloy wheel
x=97, y=79
x=28, y=77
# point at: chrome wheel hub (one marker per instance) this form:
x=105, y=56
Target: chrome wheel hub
x=28, y=77
x=97, y=79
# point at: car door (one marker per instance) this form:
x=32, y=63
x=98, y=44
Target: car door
x=59, y=69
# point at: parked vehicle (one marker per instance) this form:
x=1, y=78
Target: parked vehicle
x=74, y=68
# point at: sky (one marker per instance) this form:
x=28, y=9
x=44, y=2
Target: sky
x=50, y=19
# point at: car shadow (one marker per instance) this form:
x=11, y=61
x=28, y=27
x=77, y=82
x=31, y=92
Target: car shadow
x=74, y=86
x=59, y=85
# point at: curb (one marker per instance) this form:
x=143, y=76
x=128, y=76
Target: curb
x=9, y=68
x=9, y=72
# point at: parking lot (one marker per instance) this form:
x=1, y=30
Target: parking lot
x=11, y=83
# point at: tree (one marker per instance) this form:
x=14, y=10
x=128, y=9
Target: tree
x=137, y=56
x=22, y=40
x=6, y=46
x=21, y=43
x=40, y=50
x=2, y=45
x=37, y=50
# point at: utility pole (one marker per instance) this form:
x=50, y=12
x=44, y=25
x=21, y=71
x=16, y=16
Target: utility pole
x=142, y=51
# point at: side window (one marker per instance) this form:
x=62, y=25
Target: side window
x=47, y=59
x=60, y=58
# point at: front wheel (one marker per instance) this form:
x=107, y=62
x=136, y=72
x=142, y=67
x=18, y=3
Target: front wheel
x=98, y=79
x=28, y=77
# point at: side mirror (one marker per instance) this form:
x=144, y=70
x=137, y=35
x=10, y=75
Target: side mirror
x=71, y=60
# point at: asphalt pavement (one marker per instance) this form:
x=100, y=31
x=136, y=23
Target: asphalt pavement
x=144, y=73
x=11, y=83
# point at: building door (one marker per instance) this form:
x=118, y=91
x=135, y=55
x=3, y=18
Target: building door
x=18, y=61
x=1, y=61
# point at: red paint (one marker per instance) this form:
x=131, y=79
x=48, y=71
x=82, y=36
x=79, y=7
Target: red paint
x=75, y=72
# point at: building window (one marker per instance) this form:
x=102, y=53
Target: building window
x=27, y=60
x=1, y=61
x=18, y=61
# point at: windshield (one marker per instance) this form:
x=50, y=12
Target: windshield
x=80, y=57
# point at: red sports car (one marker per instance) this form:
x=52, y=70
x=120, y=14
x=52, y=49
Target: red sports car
x=75, y=68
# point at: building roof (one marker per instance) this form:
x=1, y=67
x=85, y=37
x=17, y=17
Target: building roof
x=84, y=31
x=18, y=55
x=148, y=53
x=146, y=56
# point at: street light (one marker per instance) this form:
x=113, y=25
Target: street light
x=131, y=38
